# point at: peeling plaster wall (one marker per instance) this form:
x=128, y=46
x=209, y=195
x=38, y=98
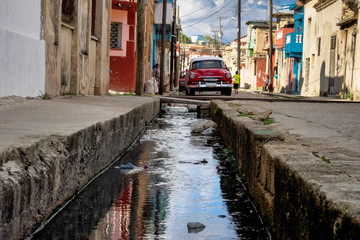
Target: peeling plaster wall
x=22, y=50
x=311, y=84
x=76, y=61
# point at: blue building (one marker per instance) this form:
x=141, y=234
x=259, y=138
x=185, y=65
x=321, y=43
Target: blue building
x=294, y=50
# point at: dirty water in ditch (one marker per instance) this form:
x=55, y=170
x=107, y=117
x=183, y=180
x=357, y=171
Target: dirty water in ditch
x=177, y=187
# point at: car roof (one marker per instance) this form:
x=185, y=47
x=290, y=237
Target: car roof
x=206, y=58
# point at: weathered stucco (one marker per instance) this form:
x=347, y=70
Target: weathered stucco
x=86, y=71
x=320, y=62
x=22, y=50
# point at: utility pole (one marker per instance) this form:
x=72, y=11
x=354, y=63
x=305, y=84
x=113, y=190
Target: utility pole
x=215, y=32
x=162, y=56
x=172, y=41
x=239, y=39
x=220, y=36
x=140, y=42
x=181, y=56
x=271, y=88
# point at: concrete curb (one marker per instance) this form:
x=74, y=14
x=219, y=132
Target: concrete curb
x=299, y=195
x=37, y=179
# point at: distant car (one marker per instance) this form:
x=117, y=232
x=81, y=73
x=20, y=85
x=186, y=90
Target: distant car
x=208, y=74
x=182, y=81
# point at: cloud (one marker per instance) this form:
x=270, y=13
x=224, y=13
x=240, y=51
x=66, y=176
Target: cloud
x=202, y=16
x=219, y=3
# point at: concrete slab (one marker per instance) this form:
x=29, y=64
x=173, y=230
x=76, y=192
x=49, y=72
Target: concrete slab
x=29, y=121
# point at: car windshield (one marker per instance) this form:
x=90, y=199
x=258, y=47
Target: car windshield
x=207, y=64
x=182, y=74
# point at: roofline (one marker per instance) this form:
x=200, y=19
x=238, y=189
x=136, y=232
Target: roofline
x=283, y=14
x=250, y=22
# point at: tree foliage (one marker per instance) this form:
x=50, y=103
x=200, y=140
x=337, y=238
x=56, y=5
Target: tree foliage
x=184, y=39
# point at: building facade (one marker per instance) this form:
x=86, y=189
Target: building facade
x=294, y=51
x=54, y=47
x=22, y=49
x=122, y=46
x=330, y=64
x=256, y=63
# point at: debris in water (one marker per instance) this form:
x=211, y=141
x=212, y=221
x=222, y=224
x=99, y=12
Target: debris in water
x=184, y=162
x=127, y=166
x=195, y=227
x=219, y=168
x=210, y=132
x=202, y=162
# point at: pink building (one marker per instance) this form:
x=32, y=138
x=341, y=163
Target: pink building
x=122, y=46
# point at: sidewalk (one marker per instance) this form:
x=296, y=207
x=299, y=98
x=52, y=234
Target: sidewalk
x=22, y=124
x=303, y=171
x=50, y=149
x=297, y=96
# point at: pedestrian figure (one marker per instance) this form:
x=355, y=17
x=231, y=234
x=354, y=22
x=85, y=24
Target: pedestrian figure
x=156, y=74
x=267, y=82
x=236, y=82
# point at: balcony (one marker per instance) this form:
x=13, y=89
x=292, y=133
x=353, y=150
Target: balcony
x=293, y=45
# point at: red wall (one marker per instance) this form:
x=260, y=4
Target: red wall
x=260, y=72
x=280, y=42
x=123, y=68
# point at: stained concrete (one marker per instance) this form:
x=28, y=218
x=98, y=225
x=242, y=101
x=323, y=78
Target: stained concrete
x=302, y=171
x=49, y=149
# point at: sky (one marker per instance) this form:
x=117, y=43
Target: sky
x=201, y=17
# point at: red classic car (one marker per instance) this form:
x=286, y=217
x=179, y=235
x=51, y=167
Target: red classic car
x=208, y=74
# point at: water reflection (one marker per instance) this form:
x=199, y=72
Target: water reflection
x=157, y=203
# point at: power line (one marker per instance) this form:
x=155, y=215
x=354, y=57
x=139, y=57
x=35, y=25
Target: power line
x=197, y=10
x=209, y=15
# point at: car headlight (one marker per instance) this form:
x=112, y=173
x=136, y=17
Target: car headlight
x=192, y=75
x=228, y=75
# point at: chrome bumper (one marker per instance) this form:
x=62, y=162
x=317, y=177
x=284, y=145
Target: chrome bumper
x=210, y=85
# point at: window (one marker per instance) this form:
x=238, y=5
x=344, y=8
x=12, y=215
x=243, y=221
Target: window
x=207, y=64
x=319, y=45
x=115, y=35
x=68, y=9
x=93, y=17
x=307, y=74
x=255, y=67
x=333, y=42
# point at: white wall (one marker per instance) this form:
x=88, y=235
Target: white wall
x=312, y=87
x=22, y=53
